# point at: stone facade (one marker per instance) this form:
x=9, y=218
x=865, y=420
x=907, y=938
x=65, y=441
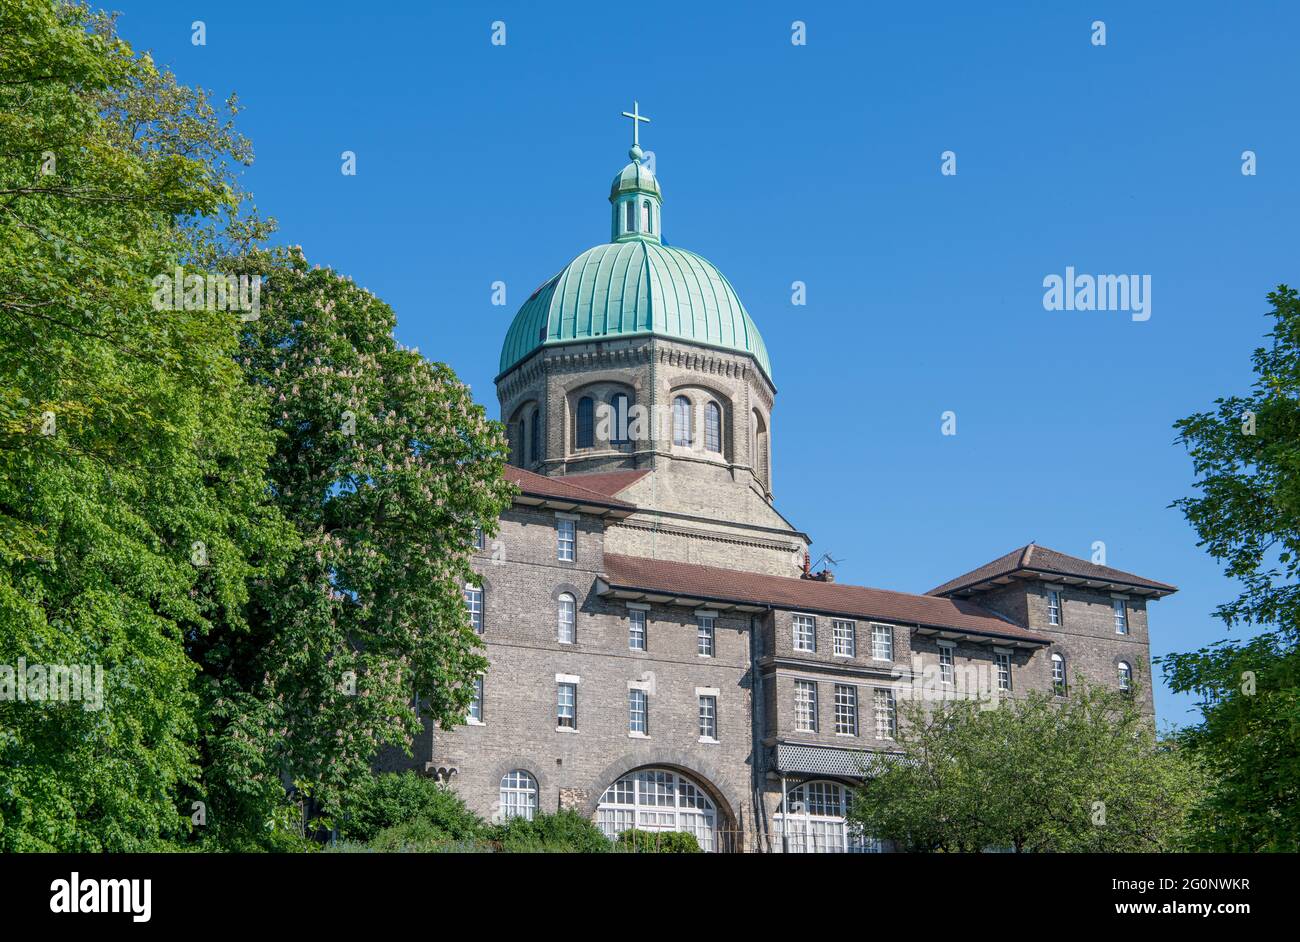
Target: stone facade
x=756, y=679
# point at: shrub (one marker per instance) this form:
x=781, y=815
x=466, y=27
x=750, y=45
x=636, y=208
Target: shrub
x=657, y=842
x=564, y=832
x=431, y=811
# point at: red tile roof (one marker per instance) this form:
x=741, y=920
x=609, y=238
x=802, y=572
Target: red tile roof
x=710, y=583
x=607, y=482
x=1039, y=559
x=560, y=488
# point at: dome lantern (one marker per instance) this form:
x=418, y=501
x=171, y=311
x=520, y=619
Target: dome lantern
x=635, y=193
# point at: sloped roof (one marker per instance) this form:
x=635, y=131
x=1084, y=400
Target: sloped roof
x=1035, y=560
x=561, y=488
x=608, y=483
x=710, y=583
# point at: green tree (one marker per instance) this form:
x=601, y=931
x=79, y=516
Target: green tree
x=1246, y=458
x=386, y=467
x=1033, y=775
x=127, y=437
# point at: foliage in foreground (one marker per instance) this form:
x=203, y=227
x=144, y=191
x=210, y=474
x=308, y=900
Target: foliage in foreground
x=1033, y=775
x=1246, y=457
x=257, y=525
x=657, y=842
x=430, y=811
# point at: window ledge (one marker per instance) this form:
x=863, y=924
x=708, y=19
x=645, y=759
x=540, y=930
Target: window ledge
x=469, y=722
x=566, y=729
x=635, y=735
x=709, y=741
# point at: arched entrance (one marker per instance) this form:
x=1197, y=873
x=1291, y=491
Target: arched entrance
x=658, y=800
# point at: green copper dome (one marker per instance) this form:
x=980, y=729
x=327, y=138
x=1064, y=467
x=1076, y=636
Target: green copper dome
x=635, y=287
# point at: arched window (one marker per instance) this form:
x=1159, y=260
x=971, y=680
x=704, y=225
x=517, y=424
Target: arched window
x=647, y=219
x=682, y=421
x=813, y=820
x=658, y=800
x=619, y=406
x=566, y=619
x=631, y=216
x=1125, y=677
x=518, y=795
x=1058, y=675
x=519, y=445
x=713, y=427
x=535, y=442
x=586, y=423
x=758, y=448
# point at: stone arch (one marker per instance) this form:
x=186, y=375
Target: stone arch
x=600, y=388
x=526, y=764
x=701, y=772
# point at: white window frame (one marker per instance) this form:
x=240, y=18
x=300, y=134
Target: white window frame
x=566, y=539
x=637, y=628
x=566, y=706
x=474, y=716
x=705, y=635
x=517, y=795
x=474, y=606
x=708, y=715
x=1002, y=666
x=1054, y=607
x=1058, y=674
x=805, y=706
x=1120, y=608
x=881, y=633
x=846, y=710
x=845, y=637
x=947, y=663
x=810, y=623
x=638, y=712
x=566, y=618
x=886, y=709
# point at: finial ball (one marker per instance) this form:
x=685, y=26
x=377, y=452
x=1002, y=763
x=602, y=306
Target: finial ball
x=636, y=153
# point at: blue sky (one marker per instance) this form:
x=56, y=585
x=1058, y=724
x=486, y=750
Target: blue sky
x=821, y=163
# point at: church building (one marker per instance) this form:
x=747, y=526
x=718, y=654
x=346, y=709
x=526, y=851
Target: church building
x=662, y=656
